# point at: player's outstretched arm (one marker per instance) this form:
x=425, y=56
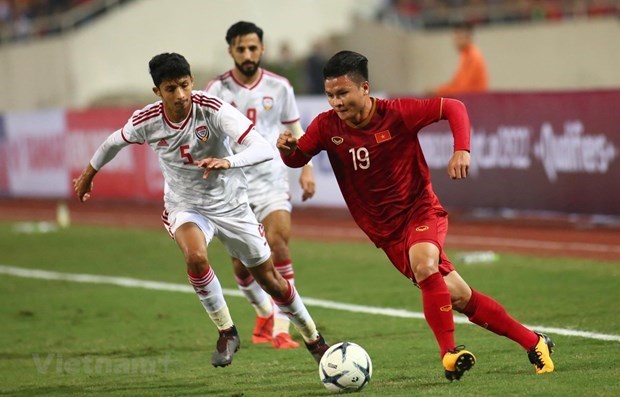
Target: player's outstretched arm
x=255, y=150
x=286, y=143
x=289, y=151
x=83, y=184
x=210, y=164
x=456, y=113
x=458, y=166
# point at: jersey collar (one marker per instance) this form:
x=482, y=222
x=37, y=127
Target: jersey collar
x=181, y=125
x=249, y=87
x=366, y=121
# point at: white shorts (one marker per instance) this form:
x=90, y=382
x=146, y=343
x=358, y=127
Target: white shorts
x=267, y=204
x=240, y=233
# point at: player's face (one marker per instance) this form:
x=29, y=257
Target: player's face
x=176, y=94
x=247, y=52
x=348, y=98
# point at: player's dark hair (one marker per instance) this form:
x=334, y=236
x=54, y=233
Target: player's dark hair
x=347, y=63
x=242, y=28
x=168, y=66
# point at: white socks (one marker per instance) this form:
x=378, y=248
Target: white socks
x=281, y=322
x=260, y=300
x=262, y=303
x=296, y=311
x=209, y=291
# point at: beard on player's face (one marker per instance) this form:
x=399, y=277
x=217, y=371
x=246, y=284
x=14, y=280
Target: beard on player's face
x=248, y=68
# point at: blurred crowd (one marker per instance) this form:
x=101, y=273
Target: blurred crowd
x=304, y=73
x=25, y=18
x=446, y=13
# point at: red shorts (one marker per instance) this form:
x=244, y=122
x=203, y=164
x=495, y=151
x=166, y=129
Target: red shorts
x=431, y=230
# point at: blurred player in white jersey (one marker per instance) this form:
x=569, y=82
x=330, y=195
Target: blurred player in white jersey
x=205, y=193
x=268, y=100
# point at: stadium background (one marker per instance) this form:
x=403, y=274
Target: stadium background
x=544, y=183
x=545, y=139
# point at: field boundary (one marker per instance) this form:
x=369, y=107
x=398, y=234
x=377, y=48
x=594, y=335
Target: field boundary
x=531, y=236
x=332, y=305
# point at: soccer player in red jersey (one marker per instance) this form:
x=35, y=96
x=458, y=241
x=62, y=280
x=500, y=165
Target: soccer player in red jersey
x=373, y=148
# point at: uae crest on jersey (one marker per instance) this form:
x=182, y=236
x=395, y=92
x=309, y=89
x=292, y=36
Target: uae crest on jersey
x=267, y=102
x=202, y=133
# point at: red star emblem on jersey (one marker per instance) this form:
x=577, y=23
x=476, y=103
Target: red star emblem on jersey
x=383, y=136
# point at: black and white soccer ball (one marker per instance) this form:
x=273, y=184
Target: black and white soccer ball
x=345, y=367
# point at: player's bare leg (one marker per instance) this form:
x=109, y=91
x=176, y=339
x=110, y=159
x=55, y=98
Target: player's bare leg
x=278, y=231
x=191, y=241
x=285, y=296
x=491, y=315
x=437, y=305
x=259, y=299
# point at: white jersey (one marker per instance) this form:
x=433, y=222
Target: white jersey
x=268, y=103
x=204, y=133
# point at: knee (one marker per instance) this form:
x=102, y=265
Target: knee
x=424, y=260
x=239, y=269
x=460, y=292
x=459, y=302
x=278, y=243
x=196, y=262
x=423, y=266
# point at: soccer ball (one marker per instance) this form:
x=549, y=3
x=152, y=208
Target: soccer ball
x=345, y=367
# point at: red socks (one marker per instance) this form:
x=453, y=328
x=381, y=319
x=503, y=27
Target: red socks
x=488, y=313
x=438, y=310
x=285, y=268
x=481, y=310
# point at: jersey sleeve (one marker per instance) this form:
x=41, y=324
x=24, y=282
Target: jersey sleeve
x=255, y=150
x=290, y=112
x=233, y=123
x=134, y=131
x=310, y=142
x=108, y=150
x=418, y=113
x=213, y=87
x=455, y=112
x=121, y=138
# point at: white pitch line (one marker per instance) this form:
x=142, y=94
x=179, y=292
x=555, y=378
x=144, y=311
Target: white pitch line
x=164, y=286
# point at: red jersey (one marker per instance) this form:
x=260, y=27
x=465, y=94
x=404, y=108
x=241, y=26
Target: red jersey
x=379, y=164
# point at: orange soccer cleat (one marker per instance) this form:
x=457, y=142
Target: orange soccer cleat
x=283, y=341
x=262, y=330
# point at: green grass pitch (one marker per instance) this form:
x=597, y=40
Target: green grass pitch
x=61, y=338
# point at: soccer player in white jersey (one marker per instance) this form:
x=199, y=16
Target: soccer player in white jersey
x=268, y=100
x=205, y=193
